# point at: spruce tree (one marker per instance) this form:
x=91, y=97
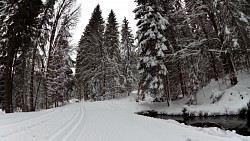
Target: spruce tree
x=129, y=56
x=111, y=36
x=153, y=47
x=112, y=58
x=90, y=64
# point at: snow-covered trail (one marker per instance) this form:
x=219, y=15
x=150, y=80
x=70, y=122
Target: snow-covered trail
x=52, y=125
x=101, y=121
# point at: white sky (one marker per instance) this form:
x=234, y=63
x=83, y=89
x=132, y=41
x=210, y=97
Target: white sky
x=122, y=8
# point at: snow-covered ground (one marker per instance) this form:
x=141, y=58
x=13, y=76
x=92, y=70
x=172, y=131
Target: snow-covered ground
x=230, y=100
x=101, y=121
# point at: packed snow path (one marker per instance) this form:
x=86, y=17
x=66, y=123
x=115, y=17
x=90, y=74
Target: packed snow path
x=101, y=121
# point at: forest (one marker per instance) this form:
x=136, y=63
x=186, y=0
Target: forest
x=179, y=47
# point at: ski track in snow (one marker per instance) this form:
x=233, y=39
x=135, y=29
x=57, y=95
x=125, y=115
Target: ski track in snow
x=26, y=124
x=68, y=130
x=3, y=122
x=50, y=123
x=101, y=121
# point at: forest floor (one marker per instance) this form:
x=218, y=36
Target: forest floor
x=101, y=121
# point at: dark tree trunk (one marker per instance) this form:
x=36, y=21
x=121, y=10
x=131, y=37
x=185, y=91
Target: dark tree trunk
x=85, y=91
x=104, y=78
x=46, y=92
x=182, y=82
x=215, y=71
x=37, y=93
x=8, y=106
x=246, y=41
x=25, y=107
x=232, y=75
x=213, y=63
x=228, y=64
x=229, y=68
x=166, y=89
x=128, y=62
x=32, y=108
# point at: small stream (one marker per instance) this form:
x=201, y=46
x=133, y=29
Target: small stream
x=240, y=124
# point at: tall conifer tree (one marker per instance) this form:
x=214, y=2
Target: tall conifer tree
x=113, y=58
x=153, y=47
x=129, y=56
x=90, y=64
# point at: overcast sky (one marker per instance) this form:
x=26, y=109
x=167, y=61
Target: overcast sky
x=122, y=8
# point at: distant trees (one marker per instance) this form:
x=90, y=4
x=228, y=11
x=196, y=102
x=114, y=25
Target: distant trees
x=129, y=57
x=100, y=70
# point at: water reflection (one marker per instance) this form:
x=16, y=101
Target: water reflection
x=240, y=124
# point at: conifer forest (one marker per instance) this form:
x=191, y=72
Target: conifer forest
x=178, y=48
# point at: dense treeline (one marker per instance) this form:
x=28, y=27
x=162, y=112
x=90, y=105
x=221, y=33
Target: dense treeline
x=185, y=44
x=181, y=45
x=35, y=53
x=105, y=65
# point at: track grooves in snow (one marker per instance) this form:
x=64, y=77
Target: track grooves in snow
x=29, y=124
x=64, y=133
x=79, y=124
x=30, y=119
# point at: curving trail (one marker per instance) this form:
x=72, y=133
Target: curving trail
x=101, y=121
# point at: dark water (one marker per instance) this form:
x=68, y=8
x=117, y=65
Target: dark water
x=240, y=124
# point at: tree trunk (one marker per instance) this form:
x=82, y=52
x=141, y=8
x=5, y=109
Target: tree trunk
x=128, y=62
x=37, y=93
x=183, y=86
x=32, y=108
x=44, y=80
x=25, y=107
x=215, y=73
x=245, y=48
x=45, y=91
x=8, y=106
x=166, y=88
x=104, y=78
x=232, y=75
x=229, y=68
